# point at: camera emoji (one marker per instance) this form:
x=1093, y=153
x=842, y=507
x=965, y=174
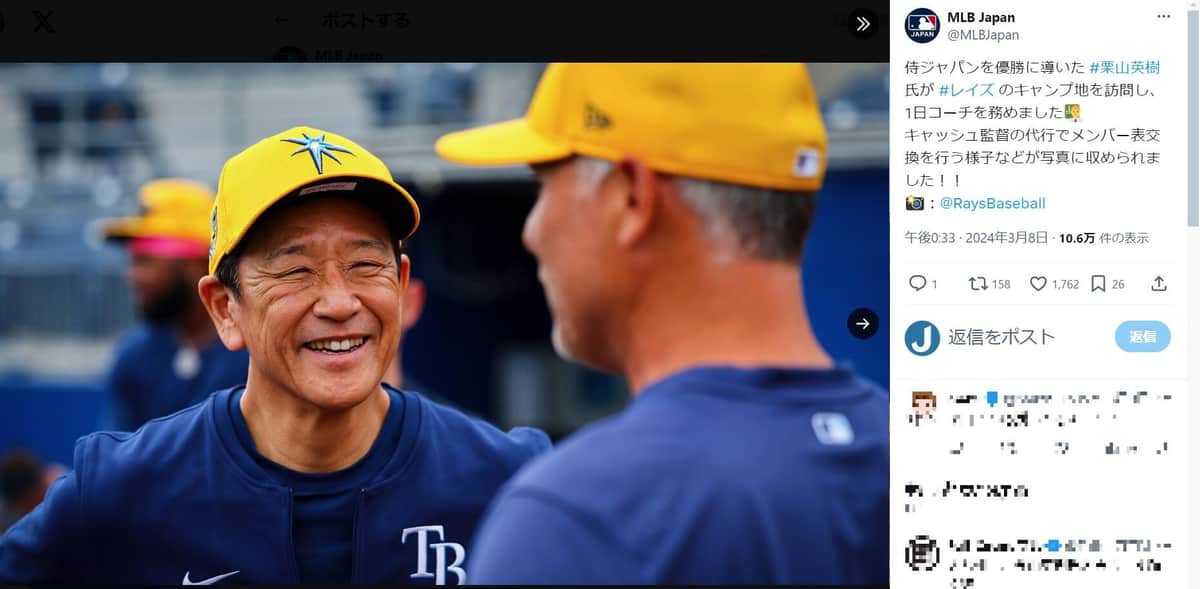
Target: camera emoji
x=914, y=203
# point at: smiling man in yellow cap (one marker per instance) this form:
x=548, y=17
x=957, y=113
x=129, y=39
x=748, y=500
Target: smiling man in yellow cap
x=173, y=359
x=315, y=471
x=674, y=204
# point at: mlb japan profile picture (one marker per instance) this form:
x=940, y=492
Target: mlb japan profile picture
x=922, y=25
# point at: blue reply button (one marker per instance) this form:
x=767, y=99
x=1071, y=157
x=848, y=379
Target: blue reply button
x=1143, y=336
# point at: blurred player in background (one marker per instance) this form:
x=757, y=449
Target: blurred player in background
x=674, y=204
x=314, y=471
x=24, y=479
x=173, y=359
x=413, y=305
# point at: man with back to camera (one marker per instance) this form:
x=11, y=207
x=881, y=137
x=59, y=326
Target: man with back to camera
x=674, y=203
x=314, y=471
x=174, y=358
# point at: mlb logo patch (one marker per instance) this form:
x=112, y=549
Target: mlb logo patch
x=832, y=429
x=807, y=163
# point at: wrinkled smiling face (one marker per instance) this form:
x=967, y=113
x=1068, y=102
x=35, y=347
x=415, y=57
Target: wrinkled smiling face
x=321, y=298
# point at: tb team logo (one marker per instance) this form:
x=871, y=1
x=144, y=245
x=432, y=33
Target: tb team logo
x=440, y=567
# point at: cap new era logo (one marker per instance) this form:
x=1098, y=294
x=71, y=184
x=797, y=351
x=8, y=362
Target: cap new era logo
x=212, y=246
x=595, y=119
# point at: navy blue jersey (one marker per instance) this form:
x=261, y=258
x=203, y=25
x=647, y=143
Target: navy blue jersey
x=712, y=475
x=323, y=503
x=181, y=501
x=152, y=375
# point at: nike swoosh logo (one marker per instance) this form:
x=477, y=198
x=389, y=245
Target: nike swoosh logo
x=209, y=581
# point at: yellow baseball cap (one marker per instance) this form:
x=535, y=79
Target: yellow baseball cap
x=174, y=208
x=753, y=124
x=298, y=162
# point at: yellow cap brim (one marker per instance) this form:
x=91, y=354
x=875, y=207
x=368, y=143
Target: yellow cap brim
x=507, y=143
x=123, y=228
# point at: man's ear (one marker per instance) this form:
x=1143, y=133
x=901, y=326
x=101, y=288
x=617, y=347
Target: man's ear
x=641, y=202
x=405, y=268
x=224, y=309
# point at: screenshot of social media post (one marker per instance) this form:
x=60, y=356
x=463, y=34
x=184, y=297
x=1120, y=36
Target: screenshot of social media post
x=865, y=294
x=1039, y=200
x=460, y=323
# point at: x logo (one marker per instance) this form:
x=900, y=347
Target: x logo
x=43, y=21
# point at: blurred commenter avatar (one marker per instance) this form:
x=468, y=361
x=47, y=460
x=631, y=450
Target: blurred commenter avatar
x=314, y=471
x=923, y=403
x=173, y=358
x=669, y=227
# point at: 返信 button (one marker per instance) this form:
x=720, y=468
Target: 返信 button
x=1143, y=336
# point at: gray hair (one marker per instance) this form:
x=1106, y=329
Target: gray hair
x=757, y=222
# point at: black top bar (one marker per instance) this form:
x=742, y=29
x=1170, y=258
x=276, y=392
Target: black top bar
x=257, y=31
